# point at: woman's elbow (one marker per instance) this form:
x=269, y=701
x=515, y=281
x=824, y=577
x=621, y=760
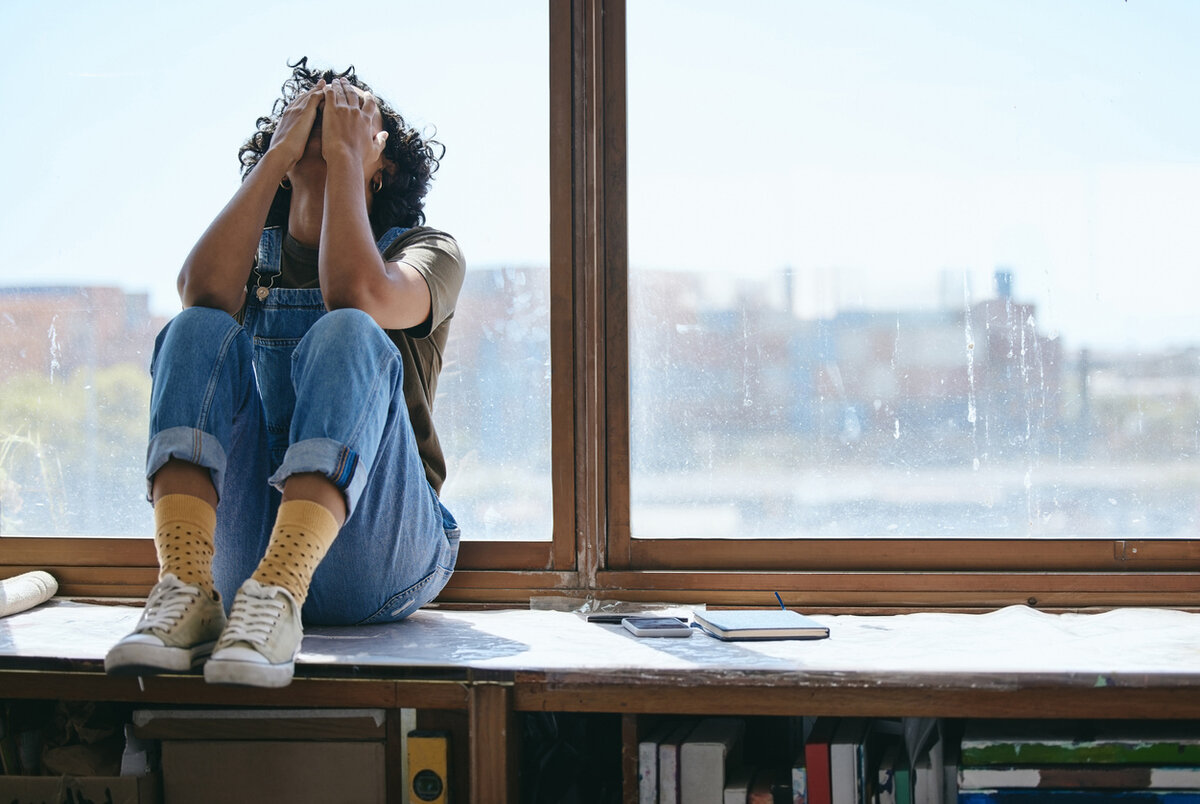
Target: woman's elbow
x=193, y=293
x=344, y=296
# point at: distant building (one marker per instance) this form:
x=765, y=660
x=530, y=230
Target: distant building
x=918, y=385
x=1020, y=371
x=497, y=362
x=57, y=330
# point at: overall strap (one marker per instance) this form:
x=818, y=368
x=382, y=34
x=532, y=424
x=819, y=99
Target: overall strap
x=270, y=246
x=389, y=237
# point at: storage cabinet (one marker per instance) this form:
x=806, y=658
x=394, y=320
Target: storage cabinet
x=489, y=677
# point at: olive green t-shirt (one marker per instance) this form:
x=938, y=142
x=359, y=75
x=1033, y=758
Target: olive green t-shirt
x=436, y=256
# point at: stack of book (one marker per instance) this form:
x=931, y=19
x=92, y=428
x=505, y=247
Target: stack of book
x=877, y=761
x=825, y=760
x=693, y=760
x=846, y=760
x=689, y=760
x=1080, y=763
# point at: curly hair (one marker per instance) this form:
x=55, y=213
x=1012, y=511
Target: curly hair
x=401, y=200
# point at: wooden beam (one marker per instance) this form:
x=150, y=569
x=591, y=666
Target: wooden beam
x=792, y=697
x=192, y=689
x=613, y=541
x=495, y=741
x=922, y=555
x=565, y=277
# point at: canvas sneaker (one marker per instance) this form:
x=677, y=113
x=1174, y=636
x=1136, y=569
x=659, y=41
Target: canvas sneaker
x=260, y=643
x=177, y=630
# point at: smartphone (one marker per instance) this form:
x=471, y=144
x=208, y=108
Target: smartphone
x=657, y=626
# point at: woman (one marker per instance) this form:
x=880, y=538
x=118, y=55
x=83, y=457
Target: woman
x=292, y=454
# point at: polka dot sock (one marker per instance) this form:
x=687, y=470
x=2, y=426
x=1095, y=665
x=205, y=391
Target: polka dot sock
x=183, y=534
x=303, y=533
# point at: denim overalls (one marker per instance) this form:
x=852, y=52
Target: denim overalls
x=297, y=388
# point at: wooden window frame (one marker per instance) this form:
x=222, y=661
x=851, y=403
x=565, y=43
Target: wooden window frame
x=592, y=552
x=847, y=574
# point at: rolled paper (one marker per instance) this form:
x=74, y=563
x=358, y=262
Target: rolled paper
x=26, y=591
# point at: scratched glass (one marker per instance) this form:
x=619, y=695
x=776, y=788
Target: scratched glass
x=91, y=243
x=914, y=269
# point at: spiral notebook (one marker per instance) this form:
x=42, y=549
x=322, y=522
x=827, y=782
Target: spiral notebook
x=738, y=624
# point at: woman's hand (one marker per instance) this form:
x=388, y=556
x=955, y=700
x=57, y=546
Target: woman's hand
x=351, y=128
x=295, y=125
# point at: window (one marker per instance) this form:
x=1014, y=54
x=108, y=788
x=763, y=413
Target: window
x=910, y=272
x=148, y=107
x=902, y=272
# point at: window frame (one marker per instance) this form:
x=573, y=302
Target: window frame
x=842, y=574
x=592, y=552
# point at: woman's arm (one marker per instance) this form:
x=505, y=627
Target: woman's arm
x=352, y=273
x=214, y=273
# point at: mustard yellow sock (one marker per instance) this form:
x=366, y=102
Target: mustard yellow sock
x=303, y=533
x=183, y=534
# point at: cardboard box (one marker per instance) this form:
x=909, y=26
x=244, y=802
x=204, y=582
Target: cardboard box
x=232, y=771
x=80, y=790
x=254, y=755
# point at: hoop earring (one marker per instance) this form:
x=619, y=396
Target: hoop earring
x=285, y=184
x=377, y=184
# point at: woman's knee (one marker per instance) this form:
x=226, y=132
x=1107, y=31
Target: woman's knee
x=346, y=323
x=198, y=323
x=347, y=332
x=195, y=328
x=204, y=317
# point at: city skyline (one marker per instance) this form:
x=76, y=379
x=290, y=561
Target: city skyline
x=858, y=424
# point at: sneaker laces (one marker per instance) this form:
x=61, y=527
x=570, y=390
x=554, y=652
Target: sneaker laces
x=166, y=605
x=253, y=619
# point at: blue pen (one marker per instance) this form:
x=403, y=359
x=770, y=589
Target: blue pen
x=780, y=599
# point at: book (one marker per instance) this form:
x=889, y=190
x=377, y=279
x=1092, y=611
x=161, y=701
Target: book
x=668, y=763
x=886, y=791
x=816, y=760
x=1078, y=797
x=1027, y=743
x=847, y=761
x=738, y=624
x=799, y=780
x=919, y=735
x=648, y=761
x=929, y=773
x=770, y=784
x=950, y=738
x=1081, y=777
x=737, y=787
x=712, y=748
x=903, y=780
x=922, y=777
x=885, y=749
x=937, y=769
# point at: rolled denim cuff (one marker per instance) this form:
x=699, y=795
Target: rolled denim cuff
x=336, y=461
x=186, y=444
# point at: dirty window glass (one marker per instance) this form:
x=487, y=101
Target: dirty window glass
x=916, y=269
x=127, y=148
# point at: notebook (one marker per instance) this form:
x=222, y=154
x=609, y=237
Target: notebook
x=735, y=624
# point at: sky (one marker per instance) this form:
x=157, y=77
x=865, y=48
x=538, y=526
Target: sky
x=126, y=140
x=892, y=153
